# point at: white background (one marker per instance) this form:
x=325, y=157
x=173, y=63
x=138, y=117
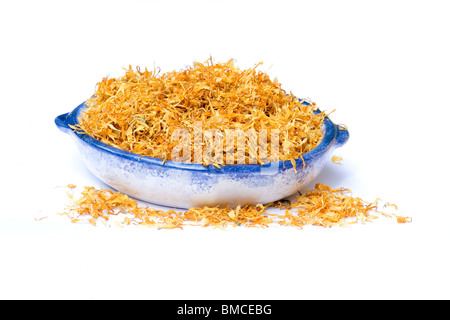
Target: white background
x=382, y=65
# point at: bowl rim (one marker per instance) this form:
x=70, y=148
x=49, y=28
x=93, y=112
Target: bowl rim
x=334, y=135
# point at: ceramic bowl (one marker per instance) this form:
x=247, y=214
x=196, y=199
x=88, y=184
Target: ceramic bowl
x=184, y=185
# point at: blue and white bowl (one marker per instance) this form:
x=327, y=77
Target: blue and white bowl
x=185, y=185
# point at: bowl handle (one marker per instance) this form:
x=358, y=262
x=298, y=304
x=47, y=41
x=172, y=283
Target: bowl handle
x=61, y=123
x=342, y=135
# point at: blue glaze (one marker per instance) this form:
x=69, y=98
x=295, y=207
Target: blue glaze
x=189, y=184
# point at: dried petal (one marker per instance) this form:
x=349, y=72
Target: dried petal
x=140, y=111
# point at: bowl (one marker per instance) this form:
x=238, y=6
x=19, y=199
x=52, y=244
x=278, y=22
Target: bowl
x=185, y=185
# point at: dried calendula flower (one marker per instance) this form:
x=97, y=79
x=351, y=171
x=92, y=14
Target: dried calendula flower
x=145, y=112
x=388, y=204
x=335, y=159
x=324, y=206
x=403, y=219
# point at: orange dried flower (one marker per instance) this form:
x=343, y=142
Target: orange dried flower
x=139, y=113
x=324, y=206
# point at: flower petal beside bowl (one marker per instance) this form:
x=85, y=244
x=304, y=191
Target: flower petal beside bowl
x=185, y=185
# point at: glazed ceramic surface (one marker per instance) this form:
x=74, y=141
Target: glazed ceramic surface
x=184, y=185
